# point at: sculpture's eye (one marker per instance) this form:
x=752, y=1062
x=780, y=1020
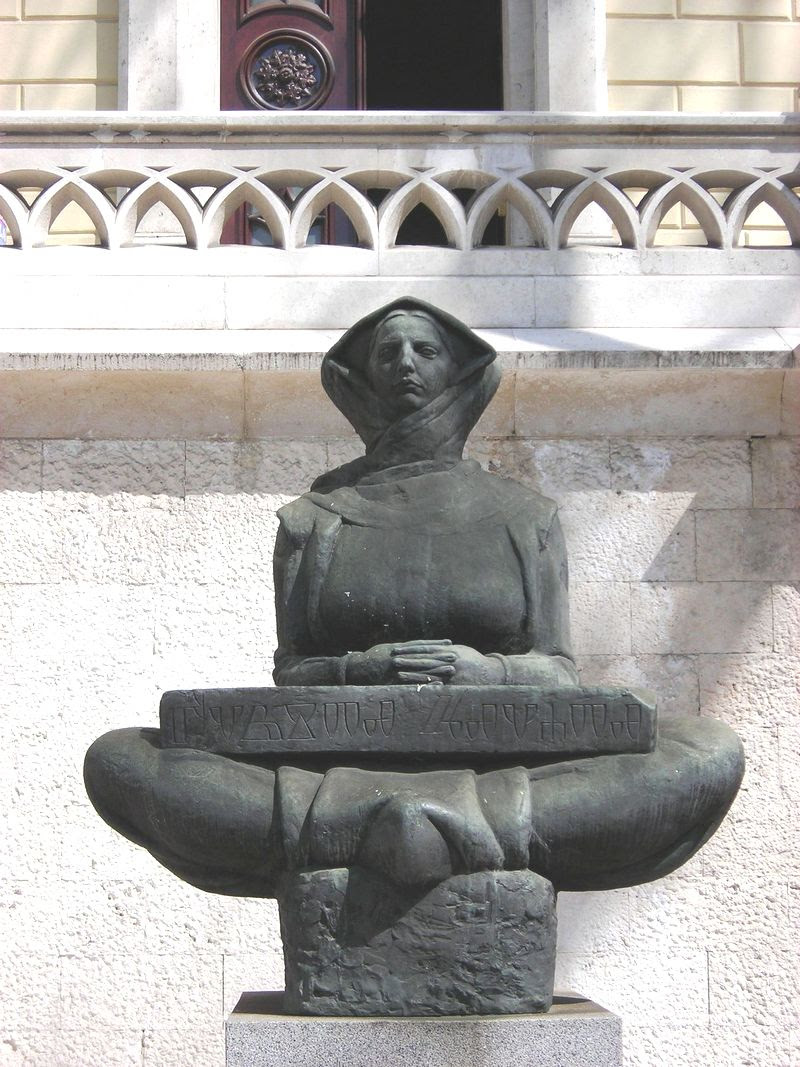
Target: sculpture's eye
x=428, y=350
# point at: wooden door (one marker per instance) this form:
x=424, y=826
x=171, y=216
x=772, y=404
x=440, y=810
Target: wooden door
x=289, y=55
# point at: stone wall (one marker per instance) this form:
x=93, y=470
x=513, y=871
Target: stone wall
x=704, y=55
x=137, y=542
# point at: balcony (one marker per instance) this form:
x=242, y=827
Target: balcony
x=584, y=203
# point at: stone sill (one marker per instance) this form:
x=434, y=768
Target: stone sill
x=104, y=126
x=302, y=350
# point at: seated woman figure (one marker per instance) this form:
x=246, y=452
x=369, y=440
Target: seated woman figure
x=412, y=565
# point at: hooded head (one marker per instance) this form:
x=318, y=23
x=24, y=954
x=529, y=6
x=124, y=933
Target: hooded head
x=413, y=381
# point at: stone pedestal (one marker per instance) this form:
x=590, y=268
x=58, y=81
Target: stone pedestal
x=574, y=1033
x=475, y=944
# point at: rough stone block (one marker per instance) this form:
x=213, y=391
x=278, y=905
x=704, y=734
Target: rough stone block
x=790, y=402
x=197, y=1046
x=286, y=467
x=776, y=472
x=747, y=546
x=786, y=613
x=574, y=1033
x=277, y=404
x=554, y=468
x=20, y=466
x=716, y=473
x=708, y=617
x=668, y=986
x=629, y=536
x=131, y=471
x=744, y=689
x=474, y=944
x=673, y=678
x=600, y=618
x=159, y=991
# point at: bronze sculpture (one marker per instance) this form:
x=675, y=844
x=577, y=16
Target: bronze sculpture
x=413, y=568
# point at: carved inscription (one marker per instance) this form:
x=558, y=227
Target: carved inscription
x=394, y=720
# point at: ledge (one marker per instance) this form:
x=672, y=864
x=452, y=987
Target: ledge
x=302, y=350
x=107, y=125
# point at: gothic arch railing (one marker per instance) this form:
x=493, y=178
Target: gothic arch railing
x=556, y=180
x=548, y=202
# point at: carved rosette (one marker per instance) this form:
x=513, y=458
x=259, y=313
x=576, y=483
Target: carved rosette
x=287, y=72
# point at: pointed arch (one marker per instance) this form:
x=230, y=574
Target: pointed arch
x=440, y=202
x=612, y=201
x=334, y=192
x=702, y=204
x=514, y=193
x=137, y=202
x=775, y=191
x=52, y=201
x=229, y=198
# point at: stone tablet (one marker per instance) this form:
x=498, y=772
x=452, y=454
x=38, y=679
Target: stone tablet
x=409, y=720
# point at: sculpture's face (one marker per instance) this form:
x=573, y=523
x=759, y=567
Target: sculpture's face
x=409, y=364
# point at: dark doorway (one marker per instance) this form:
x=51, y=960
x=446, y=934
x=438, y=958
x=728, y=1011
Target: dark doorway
x=433, y=55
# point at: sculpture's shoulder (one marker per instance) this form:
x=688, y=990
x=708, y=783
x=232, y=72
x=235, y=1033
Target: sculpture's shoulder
x=521, y=505
x=297, y=519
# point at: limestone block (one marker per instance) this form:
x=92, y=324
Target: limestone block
x=10, y=97
x=667, y=987
x=640, y=7
x=550, y=467
x=643, y=403
x=190, y=1046
x=768, y=988
x=786, y=613
x=757, y=9
x=745, y=546
x=642, y=97
x=710, y=99
x=9, y=9
x=776, y=472
x=30, y=990
x=771, y=52
x=227, y=540
x=82, y=849
x=178, y=990
x=20, y=466
x=121, y=405
x=629, y=536
x=657, y=299
x=672, y=51
x=591, y=923
x=709, y=617
x=276, y=466
x=63, y=50
x=767, y=834
x=789, y=774
x=131, y=472
x=28, y=1047
x=790, y=403
x=32, y=540
x=277, y=404
x=740, y=915
x=52, y=96
x=600, y=618
x=716, y=473
x=742, y=688
x=60, y=301
x=342, y=450
x=672, y=678
x=213, y=635
x=751, y=1042
x=38, y=9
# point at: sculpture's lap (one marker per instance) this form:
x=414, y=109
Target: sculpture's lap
x=596, y=823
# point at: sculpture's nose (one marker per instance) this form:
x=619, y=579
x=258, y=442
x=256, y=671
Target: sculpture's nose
x=405, y=360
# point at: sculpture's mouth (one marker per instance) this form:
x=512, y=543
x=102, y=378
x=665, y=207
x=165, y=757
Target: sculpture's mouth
x=410, y=385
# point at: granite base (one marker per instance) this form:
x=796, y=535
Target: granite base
x=574, y=1033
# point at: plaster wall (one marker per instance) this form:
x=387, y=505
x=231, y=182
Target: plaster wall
x=137, y=559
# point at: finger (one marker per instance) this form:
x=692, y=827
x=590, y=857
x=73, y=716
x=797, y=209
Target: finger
x=414, y=647
x=413, y=678
x=422, y=663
